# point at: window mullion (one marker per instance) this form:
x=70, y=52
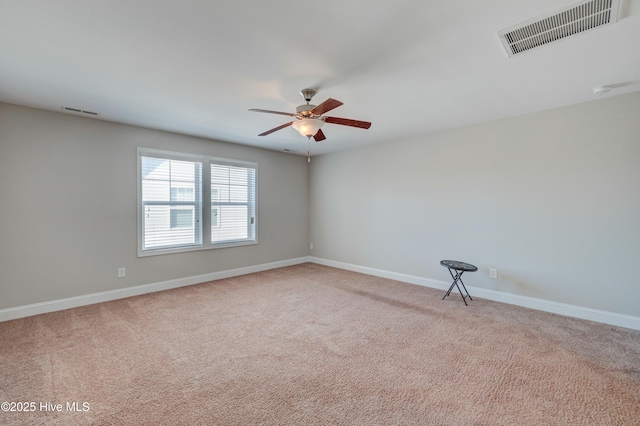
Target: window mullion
x=206, y=203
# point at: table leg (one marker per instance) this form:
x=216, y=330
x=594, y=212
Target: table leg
x=457, y=277
x=465, y=290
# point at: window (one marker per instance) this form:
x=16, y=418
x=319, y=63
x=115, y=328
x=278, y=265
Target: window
x=232, y=203
x=181, y=195
x=171, y=203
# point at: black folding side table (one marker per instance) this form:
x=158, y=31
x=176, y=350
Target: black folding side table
x=456, y=269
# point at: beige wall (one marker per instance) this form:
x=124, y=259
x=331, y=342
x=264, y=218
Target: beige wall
x=551, y=199
x=68, y=207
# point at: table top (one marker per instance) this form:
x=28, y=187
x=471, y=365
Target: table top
x=458, y=266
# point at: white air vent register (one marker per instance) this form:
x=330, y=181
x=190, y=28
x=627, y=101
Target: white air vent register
x=560, y=24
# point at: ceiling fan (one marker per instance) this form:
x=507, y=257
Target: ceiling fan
x=309, y=118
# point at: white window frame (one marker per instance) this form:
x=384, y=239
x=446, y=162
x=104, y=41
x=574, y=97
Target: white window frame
x=205, y=205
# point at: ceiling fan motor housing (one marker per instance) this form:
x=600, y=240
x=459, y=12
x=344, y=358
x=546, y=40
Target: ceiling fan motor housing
x=305, y=110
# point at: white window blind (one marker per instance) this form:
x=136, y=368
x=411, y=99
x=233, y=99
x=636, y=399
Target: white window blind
x=171, y=203
x=181, y=195
x=232, y=203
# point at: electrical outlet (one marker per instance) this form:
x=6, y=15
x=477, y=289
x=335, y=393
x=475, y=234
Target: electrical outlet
x=493, y=273
x=310, y=246
x=122, y=272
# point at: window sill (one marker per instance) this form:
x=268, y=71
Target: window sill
x=158, y=252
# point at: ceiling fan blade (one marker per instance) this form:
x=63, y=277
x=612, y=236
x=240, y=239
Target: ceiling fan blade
x=268, y=132
x=271, y=112
x=347, y=122
x=319, y=136
x=326, y=106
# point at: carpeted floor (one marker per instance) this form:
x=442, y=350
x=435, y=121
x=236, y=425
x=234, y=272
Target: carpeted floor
x=313, y=345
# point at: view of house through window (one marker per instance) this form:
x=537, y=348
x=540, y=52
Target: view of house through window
x=174, y=210
x=182, y=216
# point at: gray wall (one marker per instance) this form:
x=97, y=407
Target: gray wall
x=68, y=207
x=551, y=199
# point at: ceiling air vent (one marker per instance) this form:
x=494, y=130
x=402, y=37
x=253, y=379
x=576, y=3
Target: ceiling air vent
x=79, y=111
x=555, y=26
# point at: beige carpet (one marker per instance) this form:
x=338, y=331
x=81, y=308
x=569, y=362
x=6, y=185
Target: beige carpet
x=309, y=345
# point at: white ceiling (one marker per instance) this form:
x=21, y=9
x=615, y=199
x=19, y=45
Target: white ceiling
x=196, y=67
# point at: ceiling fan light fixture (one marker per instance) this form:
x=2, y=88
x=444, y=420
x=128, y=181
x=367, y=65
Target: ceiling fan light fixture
x=308, y=126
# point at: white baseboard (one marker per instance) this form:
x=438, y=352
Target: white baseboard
x=106, y=296
x=611, y=318
x=604, y=317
